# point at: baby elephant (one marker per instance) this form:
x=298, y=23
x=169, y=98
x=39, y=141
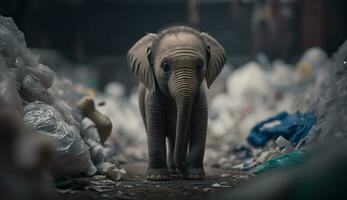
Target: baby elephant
x=171, y=66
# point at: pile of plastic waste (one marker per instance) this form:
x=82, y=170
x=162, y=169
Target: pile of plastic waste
x=318, y=162
x=55, y=108
x=296, y=135
x=255, y=91
x=259, y=90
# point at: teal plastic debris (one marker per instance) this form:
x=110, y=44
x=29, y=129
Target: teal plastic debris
x=289, y=160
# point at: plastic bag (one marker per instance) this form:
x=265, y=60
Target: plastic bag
x=22, y=63
x=72, y=153
x=292, y=127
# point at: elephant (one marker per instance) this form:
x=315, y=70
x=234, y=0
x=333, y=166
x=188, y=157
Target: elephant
x=171, y=66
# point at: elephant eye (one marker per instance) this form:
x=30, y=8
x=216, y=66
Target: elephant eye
x=200, y=64
x=165, y=65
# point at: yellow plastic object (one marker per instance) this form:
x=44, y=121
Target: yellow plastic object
x=102, y=122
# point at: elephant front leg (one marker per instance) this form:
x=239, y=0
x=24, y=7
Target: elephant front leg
x=197, y=138
x=155, y=125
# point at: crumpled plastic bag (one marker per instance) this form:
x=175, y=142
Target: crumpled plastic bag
x=31, y=76
x=292, y=127
x=72, y=153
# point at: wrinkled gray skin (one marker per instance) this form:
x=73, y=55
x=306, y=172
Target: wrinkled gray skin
x=171, y=66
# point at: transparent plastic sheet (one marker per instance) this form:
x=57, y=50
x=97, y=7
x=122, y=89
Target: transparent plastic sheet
x=72, y=153
x=9, y=96
x=31, y=76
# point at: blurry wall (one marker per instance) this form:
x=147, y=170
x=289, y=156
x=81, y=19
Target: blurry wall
x=83, y=27
x=89, y=30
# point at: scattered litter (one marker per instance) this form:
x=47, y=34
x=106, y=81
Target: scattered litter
x=102, y=185
x=98, y=177
x=220, y=185
x=111, y=170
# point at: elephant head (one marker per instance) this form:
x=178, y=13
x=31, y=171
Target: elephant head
x=175, y=61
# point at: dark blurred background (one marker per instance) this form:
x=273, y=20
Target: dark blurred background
x=99, y=32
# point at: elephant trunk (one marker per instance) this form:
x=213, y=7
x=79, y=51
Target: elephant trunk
x=183, y=88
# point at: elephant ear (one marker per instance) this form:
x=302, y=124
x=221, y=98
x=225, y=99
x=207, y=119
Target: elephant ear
x=216, y=58
x=139, y=63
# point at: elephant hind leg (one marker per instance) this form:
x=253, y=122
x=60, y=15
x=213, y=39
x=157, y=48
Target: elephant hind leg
x=142, y=94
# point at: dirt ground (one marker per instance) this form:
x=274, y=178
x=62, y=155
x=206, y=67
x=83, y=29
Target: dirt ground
x=134, y=186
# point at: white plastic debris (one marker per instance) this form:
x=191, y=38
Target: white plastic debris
x=249, y=85
x=220, y=185
x=127, y=123
x=282, y=142
x=111, y=170
x=254, y=91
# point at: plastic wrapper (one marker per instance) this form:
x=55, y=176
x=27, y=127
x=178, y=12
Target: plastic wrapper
x=91, y=136
x=72, y=153
x=100, y=155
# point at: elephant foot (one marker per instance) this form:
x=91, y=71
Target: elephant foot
x=158, y=174
x=194, y=174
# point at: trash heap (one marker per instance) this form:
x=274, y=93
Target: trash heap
x=315, y=167
x=54, y=108
x=289, y=140
x=261, y=102
x=255, y=91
